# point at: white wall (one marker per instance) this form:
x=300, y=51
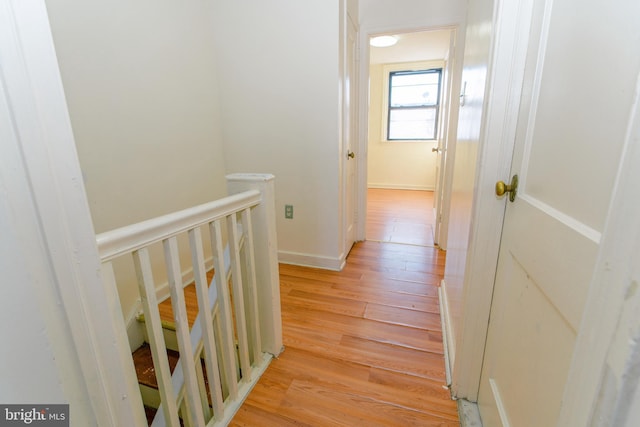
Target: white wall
x=140, y=83
x=279, y=90
x=281, y=73
x=140, y=80
x=384, y=15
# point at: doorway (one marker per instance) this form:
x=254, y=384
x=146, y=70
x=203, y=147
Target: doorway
x=410, y=164
x=400, y=216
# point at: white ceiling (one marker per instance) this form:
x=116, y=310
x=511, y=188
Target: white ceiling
x=419, y=46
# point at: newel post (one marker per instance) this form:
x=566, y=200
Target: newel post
x=266, y=255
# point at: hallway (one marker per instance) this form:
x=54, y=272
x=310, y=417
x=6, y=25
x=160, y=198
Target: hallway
x=362, y=346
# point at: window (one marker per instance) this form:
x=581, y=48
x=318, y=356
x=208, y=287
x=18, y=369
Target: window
x=413, y=102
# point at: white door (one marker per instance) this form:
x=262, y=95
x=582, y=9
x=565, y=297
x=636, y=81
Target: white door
x=437, y=192
x=439, y=150
x=350, y=135
x=579, y=80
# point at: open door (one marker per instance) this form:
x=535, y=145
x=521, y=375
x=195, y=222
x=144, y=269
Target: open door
x=350, y=121
x=447, y=105
x=570, y=133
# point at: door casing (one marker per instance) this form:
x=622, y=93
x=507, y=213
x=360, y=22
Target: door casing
x=446, y=165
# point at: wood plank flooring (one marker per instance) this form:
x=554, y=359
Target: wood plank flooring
x=363, y=347
x=400, y=216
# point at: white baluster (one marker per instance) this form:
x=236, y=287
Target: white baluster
x=122, y=347
x=182, y=329
x=230, y=367
x=206, y=322
x=238, y=296
x=153, y=324
x=251, y=297
x=202, y=386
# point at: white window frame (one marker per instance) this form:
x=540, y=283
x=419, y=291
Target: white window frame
x=387, y=69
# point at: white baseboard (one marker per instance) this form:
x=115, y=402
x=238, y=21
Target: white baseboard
x=447, y=331
x=401, y=187
x=162, y=291
x=135, y=330
x=468, y=412
x=309, y=260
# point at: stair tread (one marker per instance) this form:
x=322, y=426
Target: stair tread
x=143, y=361
x=146, y=373
x=191, y=300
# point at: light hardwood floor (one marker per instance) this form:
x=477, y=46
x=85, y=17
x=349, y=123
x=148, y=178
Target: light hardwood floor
x=400, y=216
x=363, y=347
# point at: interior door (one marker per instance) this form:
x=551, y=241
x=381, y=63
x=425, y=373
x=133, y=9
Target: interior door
x=350, y=140
x=438, y=151
x=581, y=69
x=443, y=137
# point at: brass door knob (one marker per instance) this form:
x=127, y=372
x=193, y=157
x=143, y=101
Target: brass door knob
x=351, y=154
x=502, y=188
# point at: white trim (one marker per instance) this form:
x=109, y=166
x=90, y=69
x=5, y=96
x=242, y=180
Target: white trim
x=135, y=330
x=453, y=76
x=495, y=391
x=363, y=133
x=572, y=223
x=124, y=240
x=348, y=128
x=92, y=311
x=310, y=260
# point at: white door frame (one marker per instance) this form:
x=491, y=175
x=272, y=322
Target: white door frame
x=448, y=123
x=363, y=120
x=86, y=315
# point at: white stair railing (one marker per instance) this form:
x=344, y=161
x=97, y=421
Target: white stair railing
x=245, y=223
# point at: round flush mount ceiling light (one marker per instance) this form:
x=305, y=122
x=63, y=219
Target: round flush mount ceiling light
x=383, y=41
